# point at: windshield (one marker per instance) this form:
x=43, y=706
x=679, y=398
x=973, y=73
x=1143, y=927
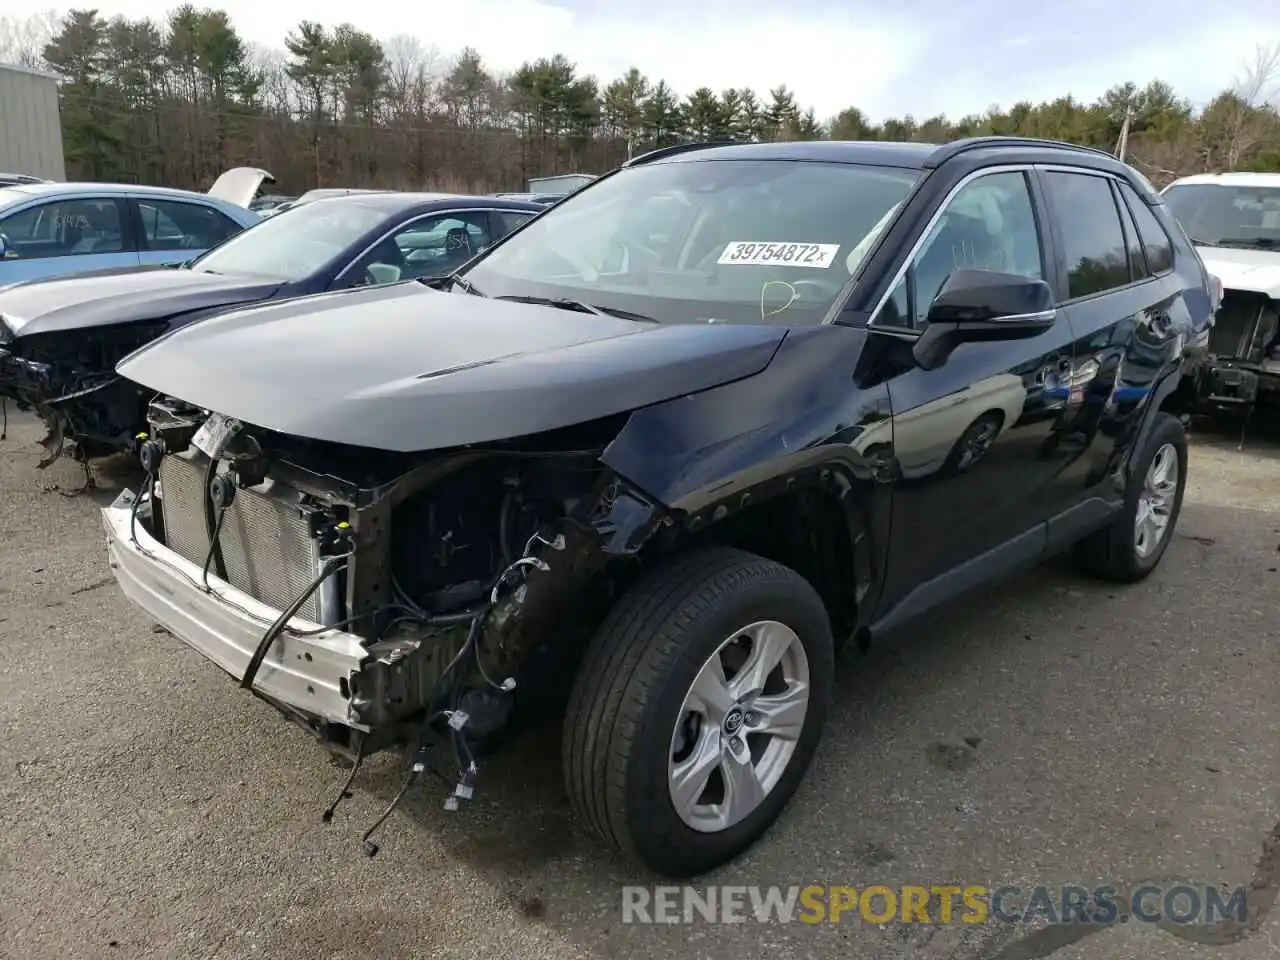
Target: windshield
x=1220, y=215
x=295, y=243
x=742, y=241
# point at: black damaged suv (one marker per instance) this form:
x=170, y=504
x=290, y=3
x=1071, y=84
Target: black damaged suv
x=661, y=449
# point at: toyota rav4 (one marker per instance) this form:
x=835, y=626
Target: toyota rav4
x=651, y=457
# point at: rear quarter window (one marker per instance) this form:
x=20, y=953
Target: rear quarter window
x=1155, y=241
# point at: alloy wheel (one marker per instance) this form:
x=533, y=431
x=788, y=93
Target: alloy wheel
x=738, y=726
x=1155, y=502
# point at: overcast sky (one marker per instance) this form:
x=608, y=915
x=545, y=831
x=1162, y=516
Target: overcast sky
x=889, y=57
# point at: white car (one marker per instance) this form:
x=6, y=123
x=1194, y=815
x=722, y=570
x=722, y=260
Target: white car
x=1234, y=221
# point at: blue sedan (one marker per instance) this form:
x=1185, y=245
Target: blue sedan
x=55, y=229
x=327, y=245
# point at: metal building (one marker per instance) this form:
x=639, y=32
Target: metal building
x=30, y=126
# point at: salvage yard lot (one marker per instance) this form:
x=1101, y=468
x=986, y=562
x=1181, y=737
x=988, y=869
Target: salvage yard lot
x=150, y=808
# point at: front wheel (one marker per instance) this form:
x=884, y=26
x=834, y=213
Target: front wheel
x=1132, y=546
x=697, y=710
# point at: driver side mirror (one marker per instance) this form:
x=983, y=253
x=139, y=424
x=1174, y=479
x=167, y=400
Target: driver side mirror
x=983, y=306
x=5, y=252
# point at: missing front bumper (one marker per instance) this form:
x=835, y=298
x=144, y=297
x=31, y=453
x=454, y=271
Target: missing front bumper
x=308, y=674
x=1230, y=387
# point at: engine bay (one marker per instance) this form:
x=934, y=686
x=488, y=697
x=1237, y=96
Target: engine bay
x=468, y=575
x=69, y=381
x=451, y=567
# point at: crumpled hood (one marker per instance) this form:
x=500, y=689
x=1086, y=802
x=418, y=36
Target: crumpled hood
x=1253, y=271
x=131, y=295
x=405, y=368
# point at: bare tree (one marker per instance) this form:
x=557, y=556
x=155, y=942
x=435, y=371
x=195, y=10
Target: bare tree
x=22, y=40
x=412, y=68
x=1260, y=83
x=1245, y=124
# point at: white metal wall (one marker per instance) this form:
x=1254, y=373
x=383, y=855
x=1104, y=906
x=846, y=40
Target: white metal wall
x=30, y=127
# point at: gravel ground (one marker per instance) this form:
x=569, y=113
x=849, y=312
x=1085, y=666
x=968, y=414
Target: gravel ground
x=148, y=808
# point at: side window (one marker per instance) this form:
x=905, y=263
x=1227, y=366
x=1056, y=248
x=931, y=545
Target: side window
x=1155, y=240
x=1092, y=240
x=989, y=225
x=174, y=225
x=430, y=247
x=64, y=228
x=1133, y=246
x=507, y=220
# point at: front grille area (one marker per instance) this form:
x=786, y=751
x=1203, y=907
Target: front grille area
x=265, y=539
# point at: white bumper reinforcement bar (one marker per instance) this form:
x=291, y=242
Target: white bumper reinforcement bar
x=225, y=624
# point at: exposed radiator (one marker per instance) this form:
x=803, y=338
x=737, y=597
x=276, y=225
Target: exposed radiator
x=265, y=539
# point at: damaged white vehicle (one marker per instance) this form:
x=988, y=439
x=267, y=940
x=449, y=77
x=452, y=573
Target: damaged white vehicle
x=1234, y=221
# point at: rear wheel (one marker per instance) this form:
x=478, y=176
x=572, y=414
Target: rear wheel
x=1132, y=546
x=697, y=710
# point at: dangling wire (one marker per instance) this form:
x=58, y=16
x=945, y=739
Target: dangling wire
x=345, y=792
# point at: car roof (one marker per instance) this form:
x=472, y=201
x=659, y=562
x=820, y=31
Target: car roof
x=395, y=202
x=972, y=153
x=1237, y=179
x=111, y=189
x=875, y=152
x=907, y=154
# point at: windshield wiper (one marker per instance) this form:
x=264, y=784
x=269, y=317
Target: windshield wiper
x=438, y=283
x=565, y=303
x=1262, y=243
x=465, y=285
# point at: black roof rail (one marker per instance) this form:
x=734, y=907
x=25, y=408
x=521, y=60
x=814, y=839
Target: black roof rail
x=678, y=148
x=956, y=147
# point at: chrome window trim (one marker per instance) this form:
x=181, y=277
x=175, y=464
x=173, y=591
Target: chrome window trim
x=872, y=325
x=1039, y=316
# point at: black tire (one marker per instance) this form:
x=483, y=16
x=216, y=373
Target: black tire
x=629, y=690
x=1111, y=553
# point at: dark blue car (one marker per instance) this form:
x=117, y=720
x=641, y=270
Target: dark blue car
x=60, y=339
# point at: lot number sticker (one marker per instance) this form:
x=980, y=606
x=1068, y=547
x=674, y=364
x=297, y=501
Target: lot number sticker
x=818, y=255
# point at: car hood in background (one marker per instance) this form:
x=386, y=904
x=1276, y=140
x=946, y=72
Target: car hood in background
x=407, y=368
x=1252, y=271
x=103, y=298
x=240, y=185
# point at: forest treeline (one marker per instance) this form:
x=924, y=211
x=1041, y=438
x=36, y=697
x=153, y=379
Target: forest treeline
x=177, y=102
